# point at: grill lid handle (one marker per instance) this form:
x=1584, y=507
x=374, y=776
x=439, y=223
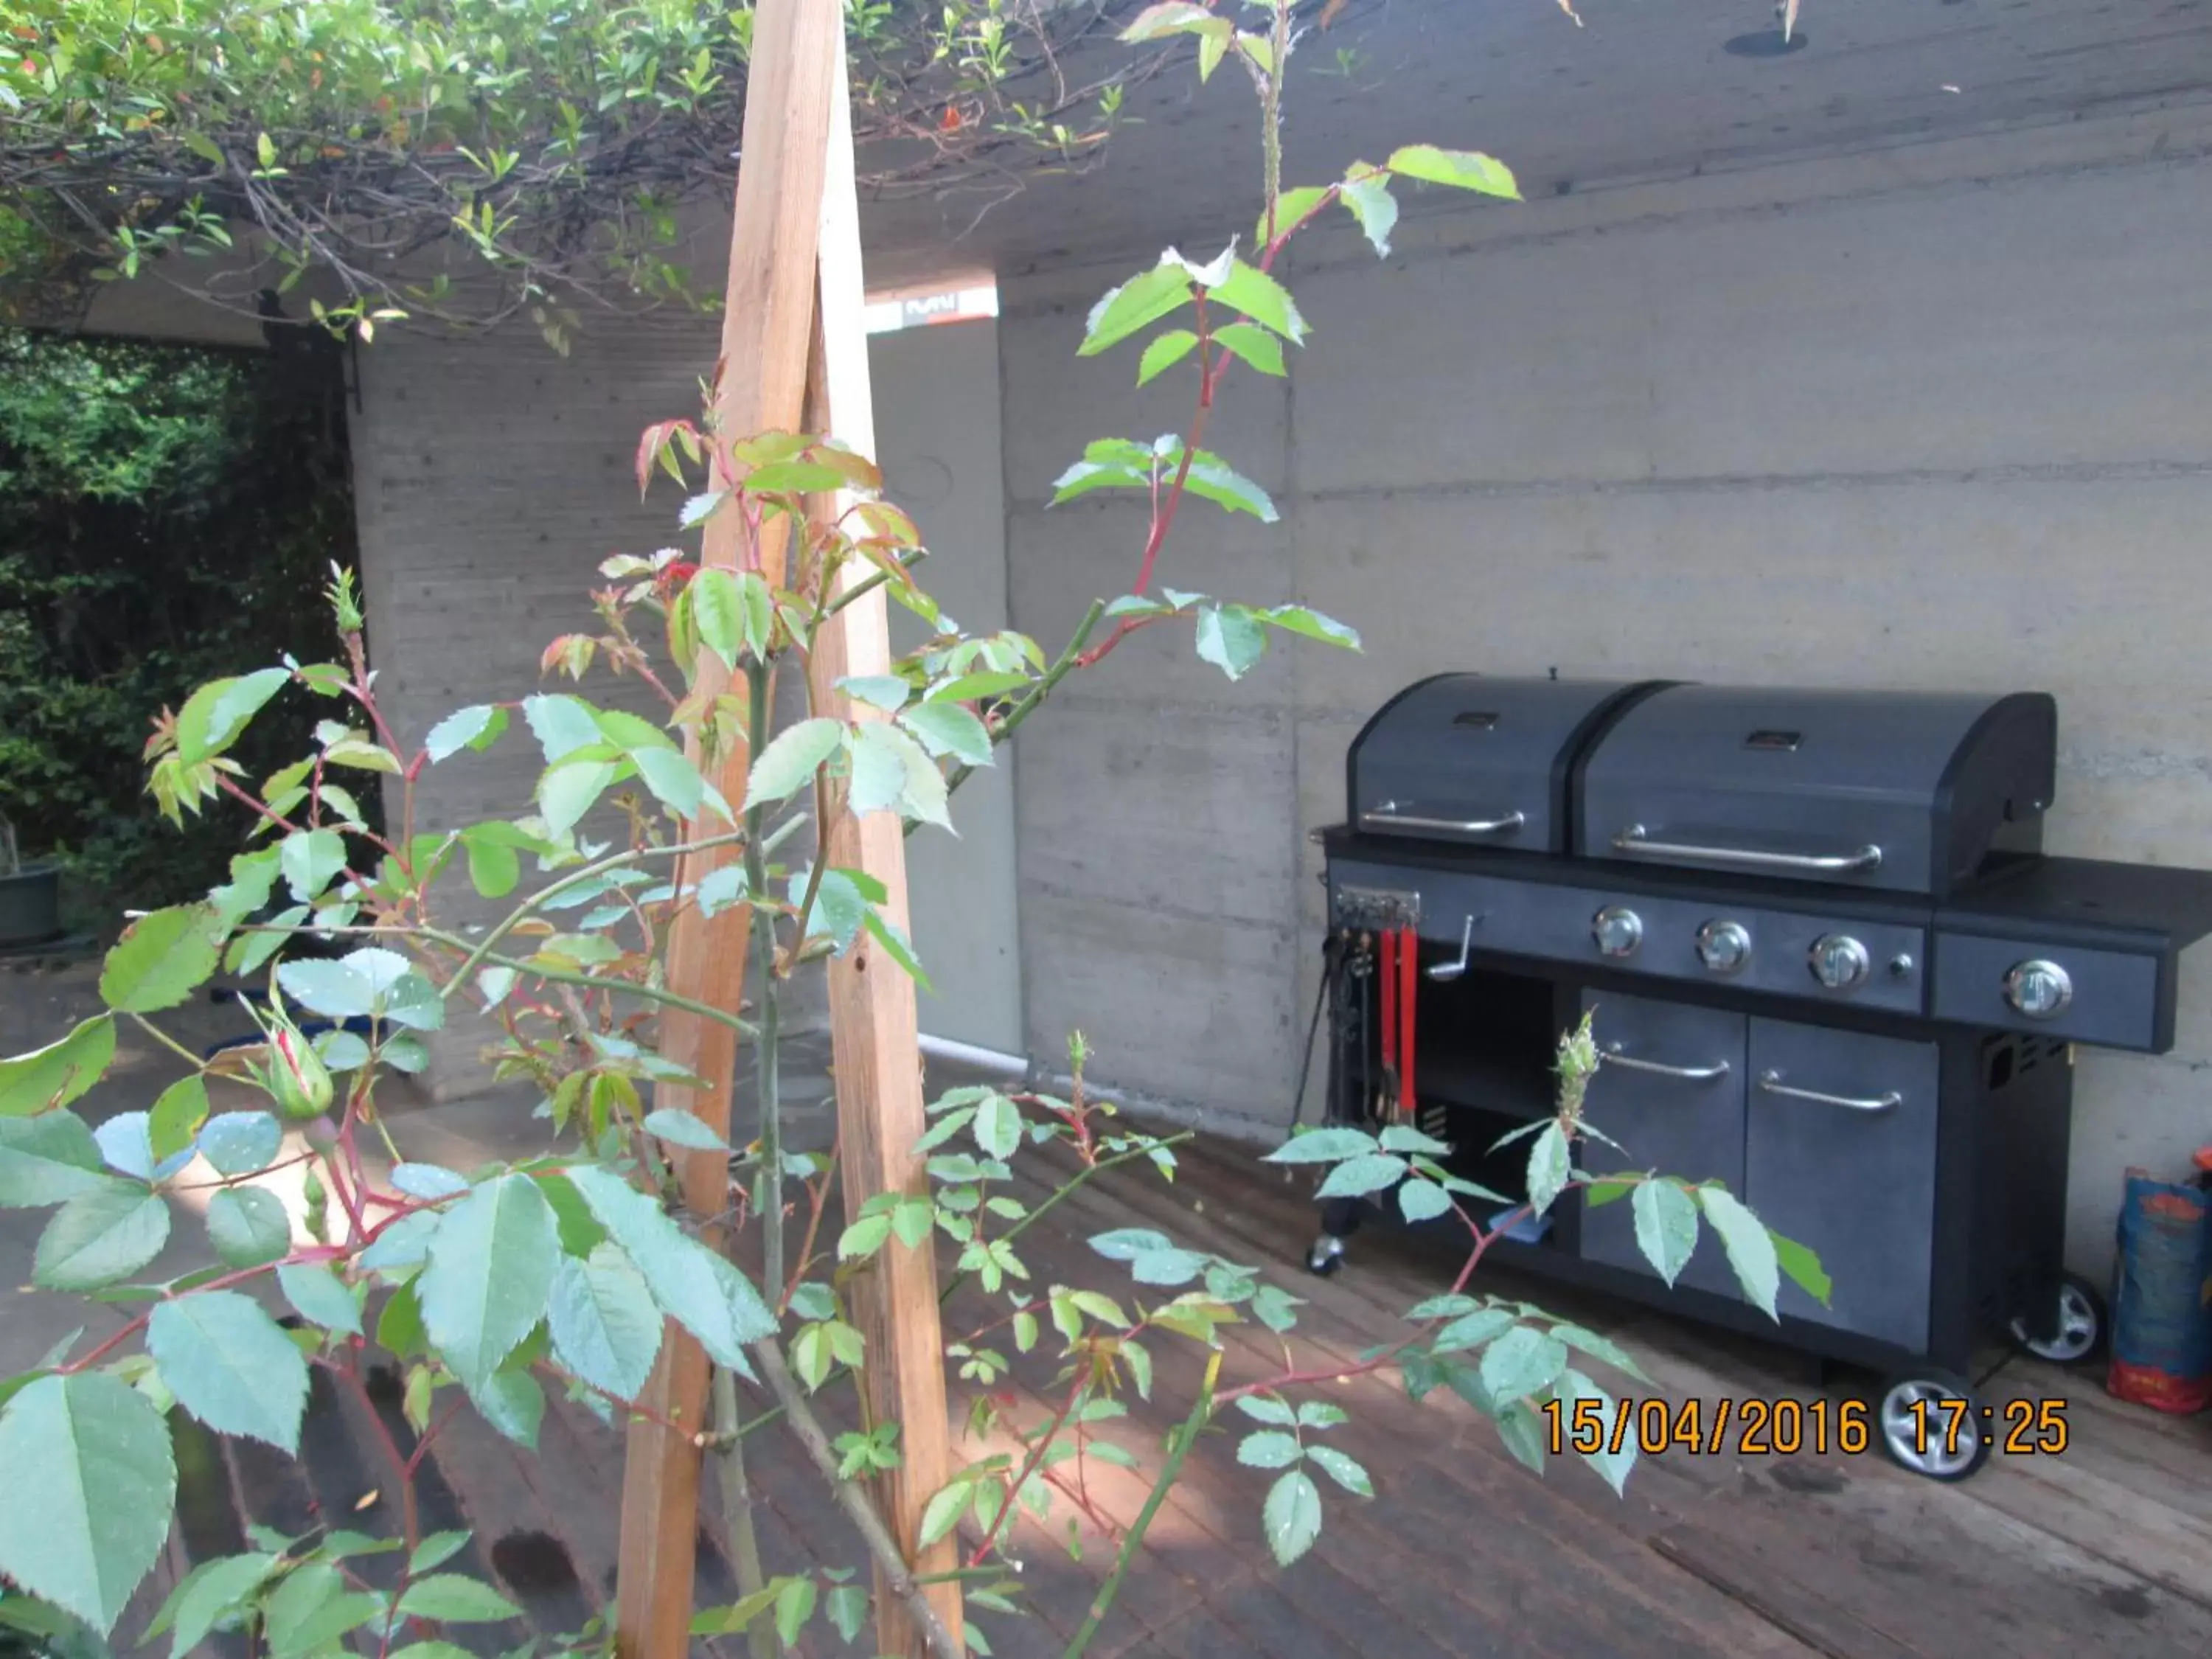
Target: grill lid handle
x=1385, y=815
x=1637, y=841
x=1771, y=1081
x=1613, y=1056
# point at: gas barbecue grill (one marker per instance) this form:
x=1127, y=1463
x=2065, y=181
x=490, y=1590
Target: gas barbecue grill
x=1830, y=966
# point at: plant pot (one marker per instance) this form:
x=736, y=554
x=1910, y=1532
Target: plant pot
x=30, y=905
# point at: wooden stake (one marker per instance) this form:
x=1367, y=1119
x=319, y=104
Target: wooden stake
x=796, y=74
x=872, y=1016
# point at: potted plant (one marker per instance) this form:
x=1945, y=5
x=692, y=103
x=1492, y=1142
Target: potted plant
x=30, y=894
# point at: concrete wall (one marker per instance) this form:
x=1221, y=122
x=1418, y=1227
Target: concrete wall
x=1934, y=417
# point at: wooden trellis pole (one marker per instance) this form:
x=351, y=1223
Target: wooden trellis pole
x=794, y=357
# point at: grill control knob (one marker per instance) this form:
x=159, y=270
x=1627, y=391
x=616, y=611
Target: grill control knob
x=1724, y=946
x=2039, y=988
x=1838, y=961
x=1617, y=930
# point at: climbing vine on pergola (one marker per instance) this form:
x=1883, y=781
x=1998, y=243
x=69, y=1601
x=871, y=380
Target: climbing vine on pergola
x=559, y=138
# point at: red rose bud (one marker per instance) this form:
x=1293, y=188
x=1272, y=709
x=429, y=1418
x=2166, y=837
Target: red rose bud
x=297, y=1077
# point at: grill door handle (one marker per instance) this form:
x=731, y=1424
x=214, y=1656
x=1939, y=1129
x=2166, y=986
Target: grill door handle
x=1613, y=1056
x=1635, y=840
x=1771, y=1081
x=1385, y=815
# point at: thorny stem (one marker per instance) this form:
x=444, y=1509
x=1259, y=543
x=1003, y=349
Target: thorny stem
x=1037, y=1448
x=1081, y=1176
x=769, y=1200
x=738, y=1509
x=899, y=1578
x=170, y=1042
x=1069, y=658
x=1185, y=1437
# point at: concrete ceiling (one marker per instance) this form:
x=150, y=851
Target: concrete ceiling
x=1647, y=89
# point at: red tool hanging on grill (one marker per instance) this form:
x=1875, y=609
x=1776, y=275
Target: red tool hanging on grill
x=1409, y=957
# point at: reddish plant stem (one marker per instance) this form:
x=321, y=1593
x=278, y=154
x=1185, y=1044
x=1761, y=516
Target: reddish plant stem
x=1037, y=1450
x=410, y=1521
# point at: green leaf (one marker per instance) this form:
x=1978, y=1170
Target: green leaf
x=211, y=1590
x=207, y=150
x=998, y=1126
x=1211, y=478
x=247, y=1226
x=1229, y=638
x=1611, y=1466
x=1255, y=346
x=1525, y=1361
x=1523, y=1434
x=1321, y=1146
x=681, y=1128
x=311, y=1609
x=1292, y=1516
x=561, y=724
x=436, y=1550
x=100, y=1236
x=1261, y=297
x=946, y=728
x=161, y=960
x=1275, y=1308
x=1157, y=22
x=885, y=691
x=241, y=1143
x=319, y=1296
x=512, y=1402
x=849, y=1611
x=1803, y=1267
x=1165, y=353
x=1298, y=619
x=1464, y=169
x=1666, y=1226
x=1345, y=1471
x=1423, y=1200
x=494, y=866
x=794, y=1606
x=309, y=859
x=489, y=1276
x=605, y=1326
x=96, y=1453
x=1600, y=1192
x=178, y=1113
x=1136, y=304
x=718, y=612
x=1368, y=198
x=1750, y=1247
x=943, y=1512
x=1269, y=1448
x=1550, y=1162
x=1291, y=208
x=695, y=1287
x=57, y=1073
x=230, y=1366
x=452, y=1598
x=1598, y=1348
x=1471, y=1330
x=571, y=788
x=1357, y=1176
x=47, y=1160
x=214, y=715
x=477, y=728
x=1266, y=1408
x=789, y=762
x=897, y=948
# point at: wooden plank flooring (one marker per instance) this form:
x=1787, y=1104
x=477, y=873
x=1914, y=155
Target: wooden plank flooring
x=2106, y=1551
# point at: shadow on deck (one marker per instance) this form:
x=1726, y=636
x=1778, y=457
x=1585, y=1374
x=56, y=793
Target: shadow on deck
x=2105, y=1550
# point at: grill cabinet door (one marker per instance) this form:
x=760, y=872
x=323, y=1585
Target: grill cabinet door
x=1851, y=1177
x=1691, y=1127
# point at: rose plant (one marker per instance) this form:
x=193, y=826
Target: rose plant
x=485, y=1289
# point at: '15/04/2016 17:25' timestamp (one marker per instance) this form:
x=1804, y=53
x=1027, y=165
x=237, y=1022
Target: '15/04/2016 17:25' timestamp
x=1759, y=1428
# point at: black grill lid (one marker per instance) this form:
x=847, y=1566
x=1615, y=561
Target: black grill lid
x=1906, y=791
x=1486, y=762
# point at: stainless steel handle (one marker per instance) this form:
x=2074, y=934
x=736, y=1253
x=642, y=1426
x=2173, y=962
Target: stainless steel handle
x=1771, y=1080
x=1385, y=815
x=1635, y=840
x=1445, y=972
x=1613, y=1056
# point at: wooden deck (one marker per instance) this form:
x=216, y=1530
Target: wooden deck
x=2104, y=1551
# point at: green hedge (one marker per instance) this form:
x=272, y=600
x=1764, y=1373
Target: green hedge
x=167, y=515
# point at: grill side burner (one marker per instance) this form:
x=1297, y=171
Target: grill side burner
x=1875, y=1052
